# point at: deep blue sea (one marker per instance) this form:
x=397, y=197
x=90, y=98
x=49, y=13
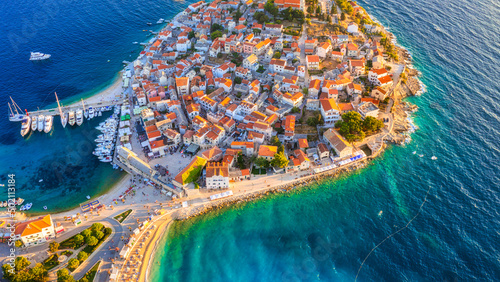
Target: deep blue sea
x=81, y=36
x=323, y=232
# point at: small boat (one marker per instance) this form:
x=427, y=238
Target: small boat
x=41, y=180
x=37, y=56
x=71, y=118
x=41, y=122
x=64, y=119
x=15, y=112
x=48, y=124
x=79, y=117
x=99, y=112
x=28, y=206
x=160, y=21
x=414, y=152
x=91, y=113
x=19, y=201
x=135, y=42
x=88, y=197
x=45, y=207
x=421, y=156
x=107, y=159
x=22, y=208
x=434, y=158
x=64, y=116
x=149, y=23
x=34, y=123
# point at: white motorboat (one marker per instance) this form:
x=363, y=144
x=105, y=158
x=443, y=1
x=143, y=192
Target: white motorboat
x=41, y=122
x=86, y=114
x=48, y=123
x=91, y=113
x=71, y=118
x=28, y=206
x=37, y=56
x=79, y=117
x=26, y=126
x=34, y=123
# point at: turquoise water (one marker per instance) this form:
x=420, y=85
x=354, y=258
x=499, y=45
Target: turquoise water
x=323, y=232
x=88, y=41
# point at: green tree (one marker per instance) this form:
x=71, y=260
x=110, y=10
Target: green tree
x=281, y=148
x=91, y=241
x=350, y=127
x=21, y=263
x=108, y=230
x=63, y=276
x=97, y=226
x=98, y=234
x=261, y=162
x=295, y=110
x=271, y=9
x=82, y=256
x=8, y=272
x=240, y=161
x=53, y=247
x=342, y=16
x=79, y=239
x=277, y=55
x=38, y=273
x=18, y=244
x=86, y=233
x=279, y=160
x=315, y=120
x=191, y=34
x=275, y=141
x=238, y=80
x=216, y=34
x=73, y=263
x=371, y=124
x=215, y=27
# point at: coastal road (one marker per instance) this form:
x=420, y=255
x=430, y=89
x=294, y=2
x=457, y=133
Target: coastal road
x=103, y=253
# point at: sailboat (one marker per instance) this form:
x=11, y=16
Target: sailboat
x=64, y=117
x=15, y=112
x=71, y=119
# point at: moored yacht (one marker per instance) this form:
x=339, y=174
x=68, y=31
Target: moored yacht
x=79, y=117
x=71, y=119
x=26, y=126
x=41, y=122
x=91, y=113
x=64, y=119
x=48, y=123
x=34, y=123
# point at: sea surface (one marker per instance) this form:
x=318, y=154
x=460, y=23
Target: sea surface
x=88, y=41
x=323, y=232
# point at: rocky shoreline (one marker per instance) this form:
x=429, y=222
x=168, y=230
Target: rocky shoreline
x=252, y=196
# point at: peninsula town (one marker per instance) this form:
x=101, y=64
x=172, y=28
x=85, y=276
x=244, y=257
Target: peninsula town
x=229, y=99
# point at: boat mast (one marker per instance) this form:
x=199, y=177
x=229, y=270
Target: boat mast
x=59, y=106
x=14, y=104
x=10, y=109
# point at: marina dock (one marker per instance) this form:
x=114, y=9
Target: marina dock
x=74, y=107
